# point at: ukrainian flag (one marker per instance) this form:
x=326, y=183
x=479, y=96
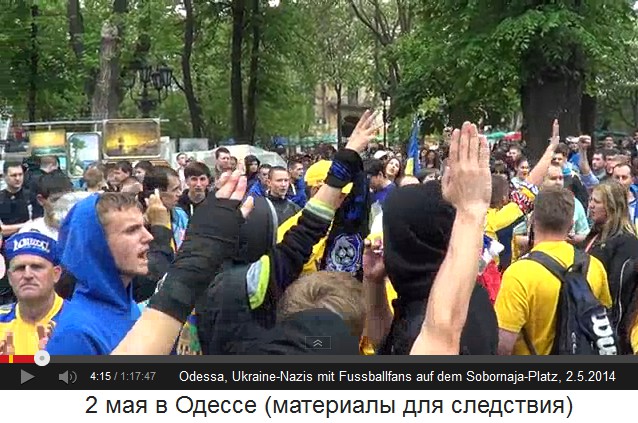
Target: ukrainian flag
x=412, y=166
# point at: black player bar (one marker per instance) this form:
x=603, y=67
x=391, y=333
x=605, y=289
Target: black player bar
x=303, y=376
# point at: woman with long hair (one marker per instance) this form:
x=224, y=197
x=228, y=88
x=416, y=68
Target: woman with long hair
x=522, y=170
x=394, y=169
x=430, y=160
x=613, y=241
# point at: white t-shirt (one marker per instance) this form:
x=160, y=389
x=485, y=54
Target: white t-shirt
x=38, y=225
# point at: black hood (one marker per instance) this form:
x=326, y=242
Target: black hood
x=316, y=331
x=417, y=225
x=259, y=233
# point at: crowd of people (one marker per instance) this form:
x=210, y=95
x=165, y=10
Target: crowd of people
x=472, y=250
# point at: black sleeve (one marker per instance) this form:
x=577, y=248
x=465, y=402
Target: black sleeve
x=160, y=257
x=211, y=237
x=294, y=250
x=580, y=192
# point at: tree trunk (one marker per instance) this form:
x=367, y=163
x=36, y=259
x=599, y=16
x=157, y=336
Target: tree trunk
x=551, y=91
x=251, y=100
x=458, y=115
x=117, y=89
x=588, y=114
x=33, y=65
x=338, y=89
x=193, y=105
x=542, y=101
x=108, y=91
x=76, y=34
x=236, y=85
x=100, y=108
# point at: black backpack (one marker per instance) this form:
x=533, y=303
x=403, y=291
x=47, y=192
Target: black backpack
x=583, y=326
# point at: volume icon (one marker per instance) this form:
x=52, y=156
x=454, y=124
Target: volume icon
x=68, y=377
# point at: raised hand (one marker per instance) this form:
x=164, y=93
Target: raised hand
x=584, y=142
x=363, y=133
x=233, y=186
x=44, y=333
x=467, y=182
x=555, y=133
x=373, y=265
x=7, y=347
x=156, y=212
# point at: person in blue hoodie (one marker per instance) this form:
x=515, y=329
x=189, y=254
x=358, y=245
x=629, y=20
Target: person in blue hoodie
x=103, y=243
x=260, y=188
x=297, y=190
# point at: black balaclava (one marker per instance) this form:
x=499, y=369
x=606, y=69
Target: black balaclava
x=417, y=225
x=258, y=234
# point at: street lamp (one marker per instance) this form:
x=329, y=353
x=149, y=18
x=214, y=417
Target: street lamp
x=384, y=98
x=159, y=78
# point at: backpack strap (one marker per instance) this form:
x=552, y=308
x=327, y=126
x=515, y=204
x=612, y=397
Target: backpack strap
x=581, y=264
x=528, y=343
x=554, y=267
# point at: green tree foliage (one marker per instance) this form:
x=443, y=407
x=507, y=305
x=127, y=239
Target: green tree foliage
x=486, y=55
x=66, y=72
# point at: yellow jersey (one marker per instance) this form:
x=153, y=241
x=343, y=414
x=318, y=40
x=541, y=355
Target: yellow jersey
x=634, y=338
x=528, y=298
x=501, y=219
x=25, y=334
x=312, y=265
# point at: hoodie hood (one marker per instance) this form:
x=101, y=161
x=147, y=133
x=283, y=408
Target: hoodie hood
x=259, y=233
x=417, y=225
x=85, y=254
x=101, y=311
x=314, y=331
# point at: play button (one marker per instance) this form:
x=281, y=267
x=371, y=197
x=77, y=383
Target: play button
x=25, y=377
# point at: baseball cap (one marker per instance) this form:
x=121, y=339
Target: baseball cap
x=380, y=154
x=317, y=173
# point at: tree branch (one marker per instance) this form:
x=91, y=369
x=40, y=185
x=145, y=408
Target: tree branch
x=358, y=11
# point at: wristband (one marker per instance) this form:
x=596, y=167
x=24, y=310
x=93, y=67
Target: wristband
x=345, y=165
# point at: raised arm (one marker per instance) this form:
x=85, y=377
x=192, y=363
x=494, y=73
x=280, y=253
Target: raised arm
x=295, y=249
x=211, y=238
x=586, y=175
x=378, y=314
x=537, y=174
x=468, y=187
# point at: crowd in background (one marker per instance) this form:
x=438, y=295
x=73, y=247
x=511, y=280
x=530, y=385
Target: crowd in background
x=349, y=243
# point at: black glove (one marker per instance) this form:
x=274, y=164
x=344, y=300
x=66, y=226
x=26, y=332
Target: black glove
x=211, y=237
x=345, y=166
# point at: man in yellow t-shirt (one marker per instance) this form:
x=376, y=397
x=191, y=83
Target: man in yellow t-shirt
x=528, y=299
x=33, y=272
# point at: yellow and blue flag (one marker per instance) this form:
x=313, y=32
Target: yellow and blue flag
x=413, y=164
